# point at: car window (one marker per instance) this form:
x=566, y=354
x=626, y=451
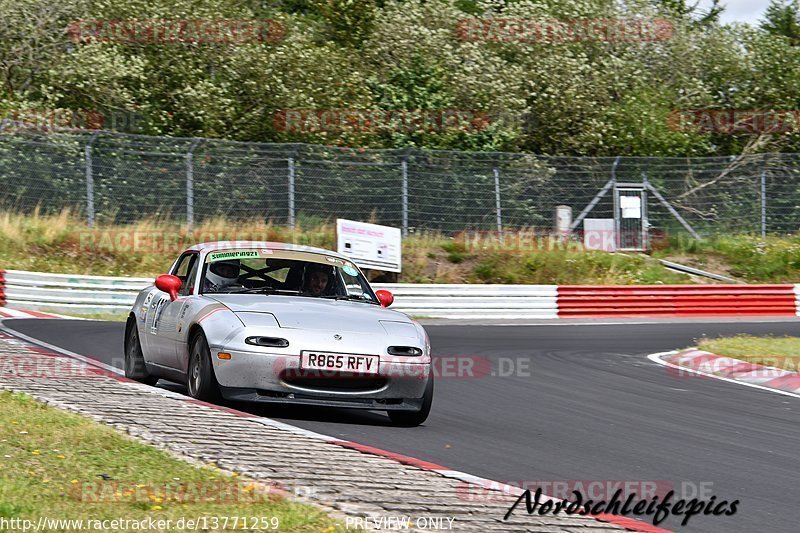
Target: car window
x=187, y=288
x=283, y=272
x=279, y=274
x=185, y=269
x=182, y=267
x=354, y=283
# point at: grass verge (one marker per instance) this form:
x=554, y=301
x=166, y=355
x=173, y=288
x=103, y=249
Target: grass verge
x=749, y=258
x=778, y=352
x=62, y=466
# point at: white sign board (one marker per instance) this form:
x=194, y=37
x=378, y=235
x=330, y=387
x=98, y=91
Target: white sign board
x=599, y=234
x=631, y=206
x=370, y=245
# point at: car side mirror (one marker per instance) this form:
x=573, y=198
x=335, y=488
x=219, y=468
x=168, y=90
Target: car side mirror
x=386, y=298
x=169, y=284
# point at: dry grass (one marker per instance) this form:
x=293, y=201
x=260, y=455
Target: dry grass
x=63, y=243
x=778, y=352
x=59, y=465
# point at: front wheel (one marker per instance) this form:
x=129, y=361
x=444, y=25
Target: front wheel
x=135, y=368
x=415, y=418
x=201, y=380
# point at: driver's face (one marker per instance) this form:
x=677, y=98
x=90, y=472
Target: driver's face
x=228, y=271
x=317, y=283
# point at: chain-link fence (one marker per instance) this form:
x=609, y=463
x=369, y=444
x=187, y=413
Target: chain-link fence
x=111, y=177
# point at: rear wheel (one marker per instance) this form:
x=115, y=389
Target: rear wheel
x=415, y=418
x=134, y=358
x=201, y=380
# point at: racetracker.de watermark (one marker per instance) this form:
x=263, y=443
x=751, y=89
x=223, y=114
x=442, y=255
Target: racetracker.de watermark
x=212, y=491
x=482, y=240
x=380, y=120
x=177, y=31
x=441, y=367
x=596, y=489
x=555, y=31
x=46, y=367
x=732, y=121
x=68, y=120
x=167, y=241
x=755, y=368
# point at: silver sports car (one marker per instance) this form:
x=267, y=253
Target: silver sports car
x=274, y=322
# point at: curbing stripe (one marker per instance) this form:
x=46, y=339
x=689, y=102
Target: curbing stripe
x=7, y=312
x=657, y=358
x=39, y=314
x=240, y=414
x=15, y=313
x=402, y=459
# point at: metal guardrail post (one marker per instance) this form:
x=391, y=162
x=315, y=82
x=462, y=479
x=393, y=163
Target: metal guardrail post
x=764, y=196
x=190, y=184
x=87, y=153
x=497, y=204
x=291, y=215
x=404, y=167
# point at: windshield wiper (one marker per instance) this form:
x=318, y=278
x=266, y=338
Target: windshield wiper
x=348, y=297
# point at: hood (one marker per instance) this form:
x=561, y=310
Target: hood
x=312, y=313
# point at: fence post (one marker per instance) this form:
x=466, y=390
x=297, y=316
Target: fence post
x=291, y=193
x=764, y=196
x=190, y=184
x=497, y=205
x=87, y=153
x=404, y=166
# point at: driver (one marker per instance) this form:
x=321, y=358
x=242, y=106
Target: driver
x=222, y=275
x=316, y=280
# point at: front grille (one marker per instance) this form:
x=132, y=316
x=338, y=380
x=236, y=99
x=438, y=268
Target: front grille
x=337, y=383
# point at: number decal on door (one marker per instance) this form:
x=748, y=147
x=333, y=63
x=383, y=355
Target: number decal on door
x=159, y=309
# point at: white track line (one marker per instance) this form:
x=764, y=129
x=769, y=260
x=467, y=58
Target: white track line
x=656, y=358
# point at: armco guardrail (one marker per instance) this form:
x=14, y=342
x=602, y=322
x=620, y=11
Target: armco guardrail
x=65, y=293
x=474, y=301
x=676, y=300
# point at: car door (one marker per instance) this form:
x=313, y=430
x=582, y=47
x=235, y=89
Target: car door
x=171, y=318
x=162, y=320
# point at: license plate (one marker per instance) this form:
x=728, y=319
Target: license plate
x=360, y=364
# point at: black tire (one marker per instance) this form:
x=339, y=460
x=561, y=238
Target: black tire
x=415, y=418
x=200, y=375
x=135, y=368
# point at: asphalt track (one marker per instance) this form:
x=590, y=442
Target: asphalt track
x=592, y=407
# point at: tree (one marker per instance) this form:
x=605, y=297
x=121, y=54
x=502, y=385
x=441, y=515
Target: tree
x=783, y=18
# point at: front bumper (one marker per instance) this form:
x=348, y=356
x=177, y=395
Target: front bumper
x=277, y=378
x=262, y=396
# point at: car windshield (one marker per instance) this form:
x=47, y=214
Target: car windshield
x=284, y=272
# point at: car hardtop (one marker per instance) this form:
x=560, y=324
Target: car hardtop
x=207, y=247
